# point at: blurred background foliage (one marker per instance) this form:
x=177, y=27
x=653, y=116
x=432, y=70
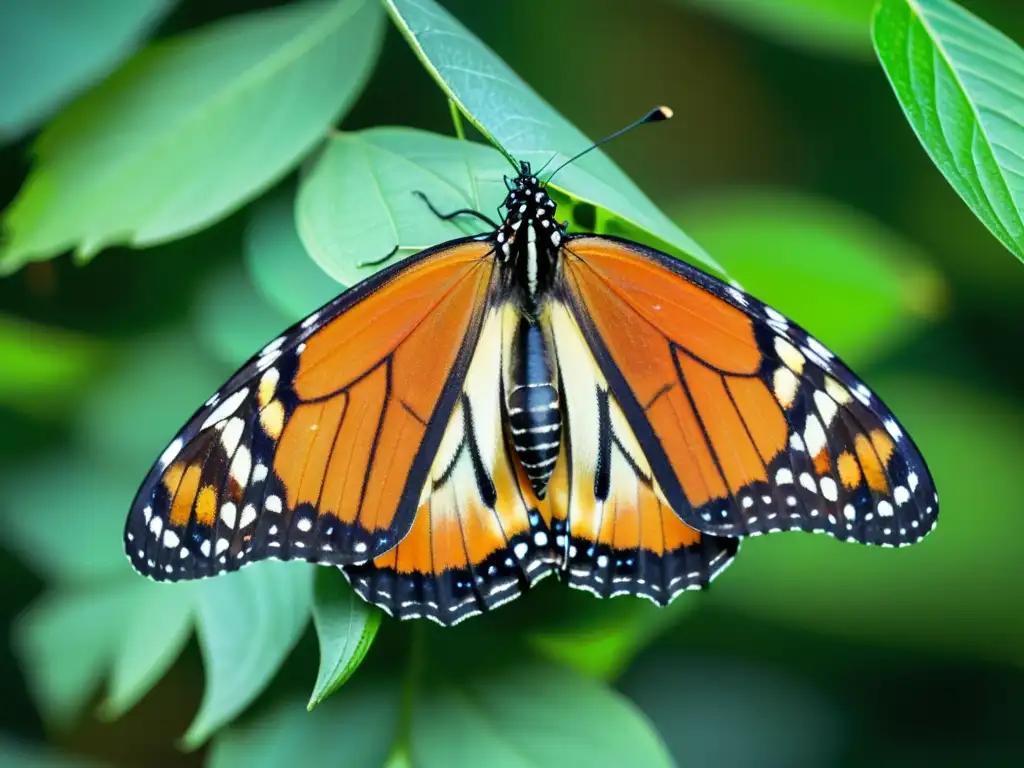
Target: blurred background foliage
x=179, y=160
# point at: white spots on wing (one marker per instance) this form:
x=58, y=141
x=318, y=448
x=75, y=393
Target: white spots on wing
x=785, y=384
x=814, y=435
x=791, y=501
x=912, y=481
x=205, y=548
x=737, y=295
x=819, y=349
x=893, y=429
x=900, y=495
x=304, y=524
x=808, y=482
x=310, y=320
x=837, y=391
x=226, y=408
x=540, y=538
x=796, y=442
x=222, y=545
x=240, y=466
x=171, y=539
x=776, y=317
x=829, y=489
x=826, y=406
x=766, y=499
x=747, y=502
x=789, y=354
x=171, y=452
x=156, y=525
x=273, y=346
x=147, y=513
x=273, y=503
x=184, y=553
x=521, y=549
x=300, y=348
x=232, y=435
x=259, y=474
x=602, y=561
x=248, y=516
x=556, y=238
x=265, y=361
x=268, y=386
x=850, y=512
x=815, y=358
x=229, y=514
x=360, y=547
x=862, y=393
x=272, y=531
x=783, y=477
x=885, y=509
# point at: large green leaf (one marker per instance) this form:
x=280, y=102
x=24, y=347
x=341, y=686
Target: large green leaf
x=50, y=49
x=278, y=263
x=248, y=622
x=961, y=84
x=834, y=27
x=346, y=626
x=831, y=268
x=357, y=203
x=959, y=589
x=509, y=113
x=355, y=728
x=191, y=128
x=530, y=715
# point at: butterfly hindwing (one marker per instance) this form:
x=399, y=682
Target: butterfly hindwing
x=317, y=449
x=750, y=424
x=480, y=536
x=616, y=531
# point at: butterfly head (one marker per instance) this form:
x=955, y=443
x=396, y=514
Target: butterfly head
x=529, y=236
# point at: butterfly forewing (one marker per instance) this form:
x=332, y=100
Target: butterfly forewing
x=318, y=448
x=750, y=425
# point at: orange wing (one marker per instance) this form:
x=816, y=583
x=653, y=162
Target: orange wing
x=319, y=447
x=749, y=424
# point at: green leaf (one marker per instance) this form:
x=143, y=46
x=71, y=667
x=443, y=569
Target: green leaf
x=530, y=715
x=510, y=114
x=192, y=128
x=248, y=621
x=961, y=84
x=51, y=49
x=67, y=642
x=70, y=530
x=155, y=636
x=232, y=320
x=601, y=640
x=355, y=728
x=925, y=596
x=346, y=626
x=357, y=203
x=44, y=368
x=279, y=264
x=833, y=27
x=15, y=753
x=831, y=268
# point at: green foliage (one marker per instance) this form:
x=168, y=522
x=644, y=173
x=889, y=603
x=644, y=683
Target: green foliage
x=206, y=121
x=131, y=161
x=961, y=84
x=832, y=27
x=50, y=49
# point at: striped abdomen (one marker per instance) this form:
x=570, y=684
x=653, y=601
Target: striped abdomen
x=533, y=409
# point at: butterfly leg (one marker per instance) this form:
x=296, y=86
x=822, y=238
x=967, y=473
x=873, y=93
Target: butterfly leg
x=453, y=214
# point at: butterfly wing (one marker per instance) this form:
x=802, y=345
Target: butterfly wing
x=613, y=526
x=749, y=424
x=481, y=536
x=318, y=447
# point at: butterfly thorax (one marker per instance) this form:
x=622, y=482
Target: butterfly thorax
x=529, y=238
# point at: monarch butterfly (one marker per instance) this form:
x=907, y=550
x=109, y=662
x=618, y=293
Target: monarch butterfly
x=525, y=402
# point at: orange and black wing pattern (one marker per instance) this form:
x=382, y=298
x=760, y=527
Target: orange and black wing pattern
x=481, y=536
x=614, y=528
x=749, y=424
x=319, y=447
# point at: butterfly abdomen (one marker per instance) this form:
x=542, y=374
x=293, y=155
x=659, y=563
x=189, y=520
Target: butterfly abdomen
x=534, y=412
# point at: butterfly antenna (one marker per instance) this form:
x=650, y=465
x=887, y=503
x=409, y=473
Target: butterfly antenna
x=656, y=115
